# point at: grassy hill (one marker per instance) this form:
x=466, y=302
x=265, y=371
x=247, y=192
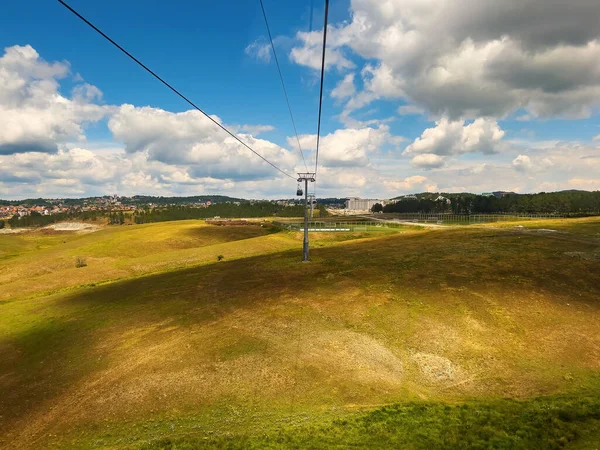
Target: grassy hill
x=421, y=338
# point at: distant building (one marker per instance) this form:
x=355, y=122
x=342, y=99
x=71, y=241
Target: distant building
x=362, y=204
x=441, y=198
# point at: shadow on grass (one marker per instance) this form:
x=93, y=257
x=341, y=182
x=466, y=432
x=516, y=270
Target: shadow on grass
x=44, y=360
x=221, y=234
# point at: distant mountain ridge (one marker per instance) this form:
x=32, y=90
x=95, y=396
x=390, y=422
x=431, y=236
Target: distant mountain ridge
x=135, y=199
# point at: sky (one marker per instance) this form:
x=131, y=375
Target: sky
x=419, y=95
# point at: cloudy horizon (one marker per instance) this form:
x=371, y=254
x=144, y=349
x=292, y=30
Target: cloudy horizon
x=421, y=95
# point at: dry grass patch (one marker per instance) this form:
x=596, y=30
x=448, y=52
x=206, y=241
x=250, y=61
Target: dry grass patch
x=441, y=315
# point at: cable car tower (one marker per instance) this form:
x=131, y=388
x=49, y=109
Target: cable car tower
x=306, y=177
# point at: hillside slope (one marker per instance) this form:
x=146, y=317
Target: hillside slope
x=431, y=315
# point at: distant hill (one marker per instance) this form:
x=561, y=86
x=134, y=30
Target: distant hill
x=136, y=199
x=185, y=200
x=572, y=202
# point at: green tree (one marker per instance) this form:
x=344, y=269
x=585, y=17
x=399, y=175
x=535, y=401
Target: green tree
x=377, y=207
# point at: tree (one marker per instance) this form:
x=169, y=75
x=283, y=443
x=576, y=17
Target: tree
x=377, y=207
x=1, y=224
x=14, y=221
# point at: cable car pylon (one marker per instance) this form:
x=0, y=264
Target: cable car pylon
x=306, y=177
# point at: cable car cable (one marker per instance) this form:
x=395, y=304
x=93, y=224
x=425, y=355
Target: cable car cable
x=322, y=77
x=173, y=89
x=282, y=83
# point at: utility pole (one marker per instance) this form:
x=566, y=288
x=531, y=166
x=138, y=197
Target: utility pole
x=311, y=199
x=306, y=177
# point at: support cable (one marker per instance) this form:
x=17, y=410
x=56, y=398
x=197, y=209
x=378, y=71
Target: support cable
x=321, y=92
x=173, y=89
x=282, y=83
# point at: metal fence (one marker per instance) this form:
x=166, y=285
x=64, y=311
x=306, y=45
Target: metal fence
x=325, y=227
x=400, y=220
x=445, y=219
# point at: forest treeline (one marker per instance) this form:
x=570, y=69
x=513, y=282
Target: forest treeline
x=163, y=214
x=225, y=210
x=564, y=203
x=36, y=219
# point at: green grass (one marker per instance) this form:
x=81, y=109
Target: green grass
x=44, y=262
x=184, y=347
x=544, y=423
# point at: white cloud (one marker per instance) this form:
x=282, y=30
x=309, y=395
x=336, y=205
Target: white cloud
x=428, y=161
x=522, y=163
x=350, y=146
x=310, y=51
x=189, y=138
x=78, y=169
x=416, y=183
x=260, y=50
x=474, y=58
x=345, y=88
x=255, y=130
x=407, y=110
x=158, y=152
x=455, y=138
x=586, y=184
x=596, y=138
x=34, y=116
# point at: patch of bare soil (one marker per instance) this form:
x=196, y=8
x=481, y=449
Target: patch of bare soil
x=436, y=369
x=12, y=230
x=353, y=355
x=584, y=255
x=79, y=227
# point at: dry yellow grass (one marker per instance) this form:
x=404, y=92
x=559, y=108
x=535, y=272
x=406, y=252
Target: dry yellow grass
x=440, y=315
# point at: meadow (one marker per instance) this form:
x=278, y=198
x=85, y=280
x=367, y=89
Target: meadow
x=483, y=336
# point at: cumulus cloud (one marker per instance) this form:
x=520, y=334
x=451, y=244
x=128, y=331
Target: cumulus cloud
x=350, y=146
x=310, y=51
x=522, y=163
x=43, y=151
x=541, y=56
x=73, y=171
x=428, y=161
x=416, y=183
x=189, y=138
x=455, y=138
x=34, y=116
x=344, y=88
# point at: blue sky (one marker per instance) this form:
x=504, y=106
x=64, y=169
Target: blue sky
x=196, y=46
x=418, y=96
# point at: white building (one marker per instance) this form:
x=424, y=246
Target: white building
x=362, y=204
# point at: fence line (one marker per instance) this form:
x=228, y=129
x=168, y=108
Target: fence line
x=416, y=218
x=471, y=218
